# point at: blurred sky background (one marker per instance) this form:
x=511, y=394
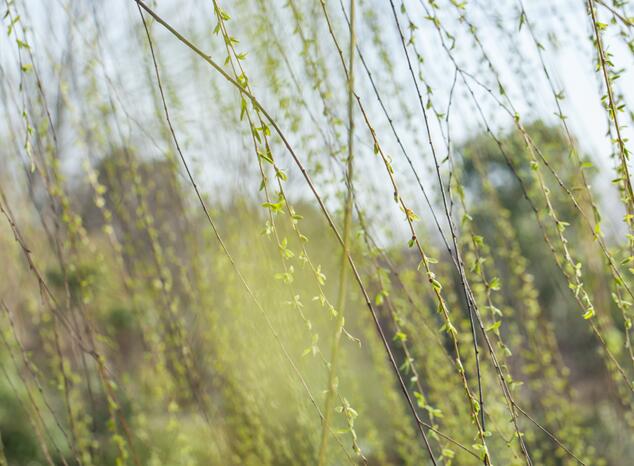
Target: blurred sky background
x=87, y=34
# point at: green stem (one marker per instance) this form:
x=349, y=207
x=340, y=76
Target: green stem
x=343, y=267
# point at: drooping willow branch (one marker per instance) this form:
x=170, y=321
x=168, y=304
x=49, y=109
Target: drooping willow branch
x=343, y=269
x=313, y=189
